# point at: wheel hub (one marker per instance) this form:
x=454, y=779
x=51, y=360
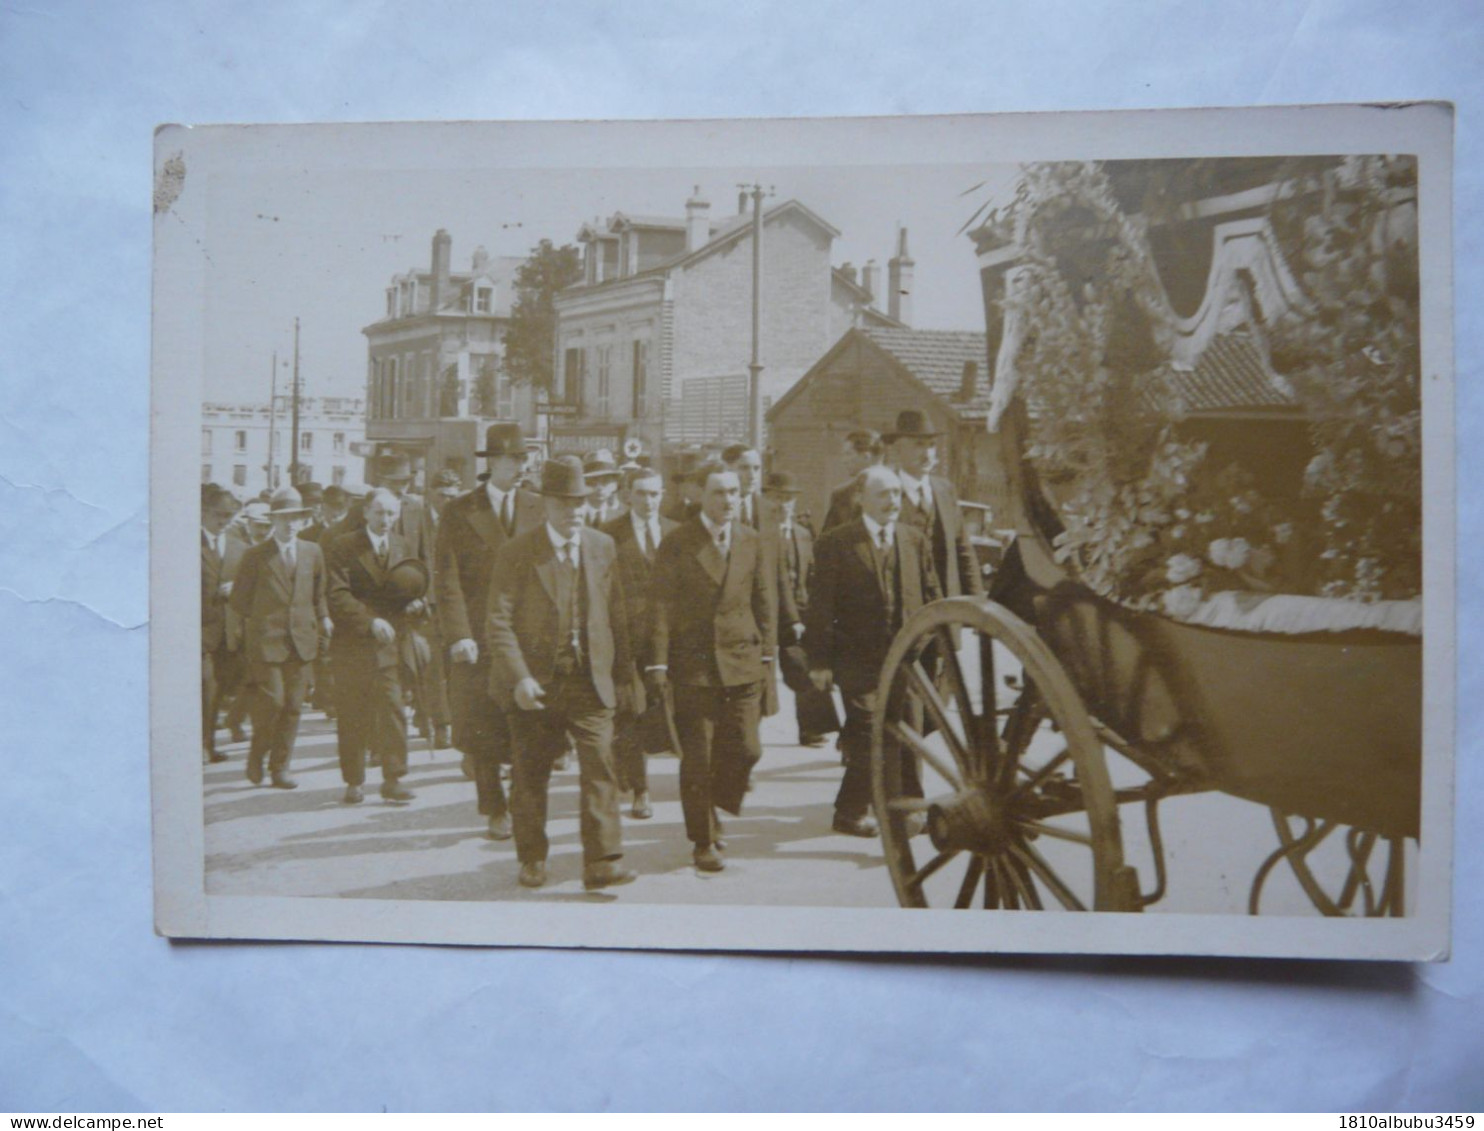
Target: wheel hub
x=973, y=821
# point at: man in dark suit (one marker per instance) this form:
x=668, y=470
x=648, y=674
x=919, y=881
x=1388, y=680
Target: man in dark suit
x=561, y=664
x=317, y=530
x=813, y=709
x=221, y=631
x=280, y=594
x=603, y=477
x=374, y=621
x=862, y=449
x=637, y=536
x=470, y=534
x=684, y=501
x=930, y=504
x=747, y=463
x=713, y=641
x=871, y=575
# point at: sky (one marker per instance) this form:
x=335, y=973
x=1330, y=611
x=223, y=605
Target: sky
x=323, y=244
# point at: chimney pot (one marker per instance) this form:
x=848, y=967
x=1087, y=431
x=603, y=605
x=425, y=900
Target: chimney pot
x=968, y=385
x=697, y=221
x=442, y=250
x=870, y=279
x=900, y=271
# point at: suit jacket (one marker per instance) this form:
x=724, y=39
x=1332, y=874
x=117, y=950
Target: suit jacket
x=281, y=614
x=794, y=582
x=358, y=594
x=846, y=629
x=953, y=554
x=843, y=506
x=676, y=509
x=219, y=625
x=523, y=626
x=714, y=618
x=636, y=572
x=315, y=532
x=470, y=536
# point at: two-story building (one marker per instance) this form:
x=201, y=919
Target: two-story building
x=654, y=342
x=434, y=375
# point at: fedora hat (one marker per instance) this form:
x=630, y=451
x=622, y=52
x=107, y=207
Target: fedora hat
x=563, y=478
x=503, y=438
x=393, y=466
x=910, y=423
x=255, y=511
x=311, y=492
x=286, y=503
x=782, y=482
x=407, y=580
x=599, y=465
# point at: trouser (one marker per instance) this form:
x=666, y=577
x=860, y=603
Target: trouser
x=719, y=745
x=431, y=697
x=854, y=798
x=323, y=696
x=221, y=672
x=572, y=708
x=370, y=718
x=277, y=700
x=482, y=731
x=628, y=754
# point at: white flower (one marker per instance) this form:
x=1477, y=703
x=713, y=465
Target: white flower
x=1182, y=601
x=1177, y=532
x=1282, y=533
x=1181, y=568
x=1205, y=518
x=1229, y=553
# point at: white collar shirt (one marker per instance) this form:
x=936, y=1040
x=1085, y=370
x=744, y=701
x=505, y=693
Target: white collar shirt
x=649, y=527
x=217, y=542
x=567, y=549
x=721, y=536
x=878, y=529
x=918, y=490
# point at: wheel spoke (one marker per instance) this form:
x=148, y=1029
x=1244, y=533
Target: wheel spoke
x=973, y=723
x=909, y=805
x=1009, y=895
x=1024, y=883
x=919, y=877
x=1020, y=727
x=992, y=897
x=910, y=738
x=1034, y=781
x=1045, y=873
x=928, y=695
x=1056, y=832
x=971, y=881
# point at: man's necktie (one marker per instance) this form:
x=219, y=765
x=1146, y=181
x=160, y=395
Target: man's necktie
x=288, y=556
x=381, y=552
x=647, y=544
x=882, y=539
x=721, y=542
x=507, y=512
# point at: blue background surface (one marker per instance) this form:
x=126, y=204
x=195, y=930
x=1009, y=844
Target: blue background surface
x=96, y=1013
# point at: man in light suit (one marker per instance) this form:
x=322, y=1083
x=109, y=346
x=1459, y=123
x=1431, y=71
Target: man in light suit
x=713, y=641
x=562, y=665
x=221, y=632
x=471, y=533
x=637, y=536
x=871, y=575
x=281, y=595
x=374, y=620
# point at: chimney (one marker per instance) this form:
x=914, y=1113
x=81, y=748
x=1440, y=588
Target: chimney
x=481, y=259
x=870, y=279
x=741, y=202
x=968, y=384
x=697, y=221
x=442, y=250
x=899, y=272
x=848, y=270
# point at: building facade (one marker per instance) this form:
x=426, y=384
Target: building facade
x=658, y=335
x=434, y=368
x=236, y=440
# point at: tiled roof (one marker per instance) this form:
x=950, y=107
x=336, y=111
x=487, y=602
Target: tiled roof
x=936, y=358
x=1232, y=375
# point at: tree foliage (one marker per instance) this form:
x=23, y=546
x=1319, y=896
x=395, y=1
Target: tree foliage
x=530, y=339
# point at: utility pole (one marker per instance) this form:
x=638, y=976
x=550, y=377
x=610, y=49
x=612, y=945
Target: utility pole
x=754, y=367
x=272, y=417
x=294, y=439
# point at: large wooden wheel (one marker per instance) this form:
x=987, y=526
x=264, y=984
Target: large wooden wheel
x=991, y=785
x=1364, y=873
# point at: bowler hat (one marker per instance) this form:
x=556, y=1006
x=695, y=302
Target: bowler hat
x=685, y=465
x=910, y=423
x=286, y=503
x=407, y=580
x=563, y=478
x=783, y=482
x=311, y=492
x=503, y=438
x=393, y=466
x=599, y=465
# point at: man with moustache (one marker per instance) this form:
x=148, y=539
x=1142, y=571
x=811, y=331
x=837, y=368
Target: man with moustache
x=221, y=632
x=713, y=642
x=373, y=617
x=471, y=533
x=561, y=665
x=637, y=536
x=872, y=574
x=280, y=594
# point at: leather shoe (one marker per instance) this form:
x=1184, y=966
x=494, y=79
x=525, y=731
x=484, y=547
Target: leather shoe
x=533, y=875
x=642, y=810
x=281, y=780
x=353, y=795
x=814, y=740
x=441, y=739
x=855, y=826
x=606, y=874
x=499, y=828
x=708, y=859
x=396, y=791
x=466, y=766
x=215, y=756
x=255, y=772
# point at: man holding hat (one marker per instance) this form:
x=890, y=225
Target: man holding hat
x=473, y=529
x=930, y=504
x=562, y=666
x=376, y=596
x=281, y=595
x=602, y=477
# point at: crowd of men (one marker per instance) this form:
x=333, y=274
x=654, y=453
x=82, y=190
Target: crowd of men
x=576, y=608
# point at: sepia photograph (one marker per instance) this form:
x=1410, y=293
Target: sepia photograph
x=982, y=533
